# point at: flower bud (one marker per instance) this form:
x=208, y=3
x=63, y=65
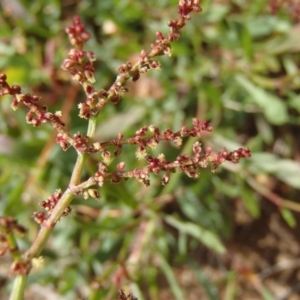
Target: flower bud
x=94, y=193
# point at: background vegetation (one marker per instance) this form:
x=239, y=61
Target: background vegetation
x=229, y=235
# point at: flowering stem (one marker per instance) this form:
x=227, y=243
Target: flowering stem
x=79, y=63
x=168, y=188
x=47, y=226
x=64, y=202
x=57, y=212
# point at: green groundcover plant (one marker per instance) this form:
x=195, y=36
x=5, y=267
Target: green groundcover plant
x=104, y=158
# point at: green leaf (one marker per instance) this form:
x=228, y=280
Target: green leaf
x=289, y=172
x=205, y=236
x=284, y=43
x=250, y=201
x=261, y=26
x=263, y=162
x=286, y=170
x=136, y=291
x=288, y=217
x=245, y=38
x=216, y=13
x=294, y=101
x=273, y=107
x=207, y=284
x=175, y=287
x=266, y=295
x=109, y=248
x=246, y=42
x=231, y=286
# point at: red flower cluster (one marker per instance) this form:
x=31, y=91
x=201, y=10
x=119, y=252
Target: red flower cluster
x=79, y=63
x=188, y=164
x=49, y=204
x=77, y=33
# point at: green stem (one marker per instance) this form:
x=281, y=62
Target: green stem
x=56, y=214
x=13, y=246
x=47, y=227
x=63, y=203
x=91, y=127
x=19, y=288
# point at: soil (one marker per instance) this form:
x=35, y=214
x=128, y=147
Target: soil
x=263, y=254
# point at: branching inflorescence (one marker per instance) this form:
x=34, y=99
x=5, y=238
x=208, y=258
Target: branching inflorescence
x=79, y=63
